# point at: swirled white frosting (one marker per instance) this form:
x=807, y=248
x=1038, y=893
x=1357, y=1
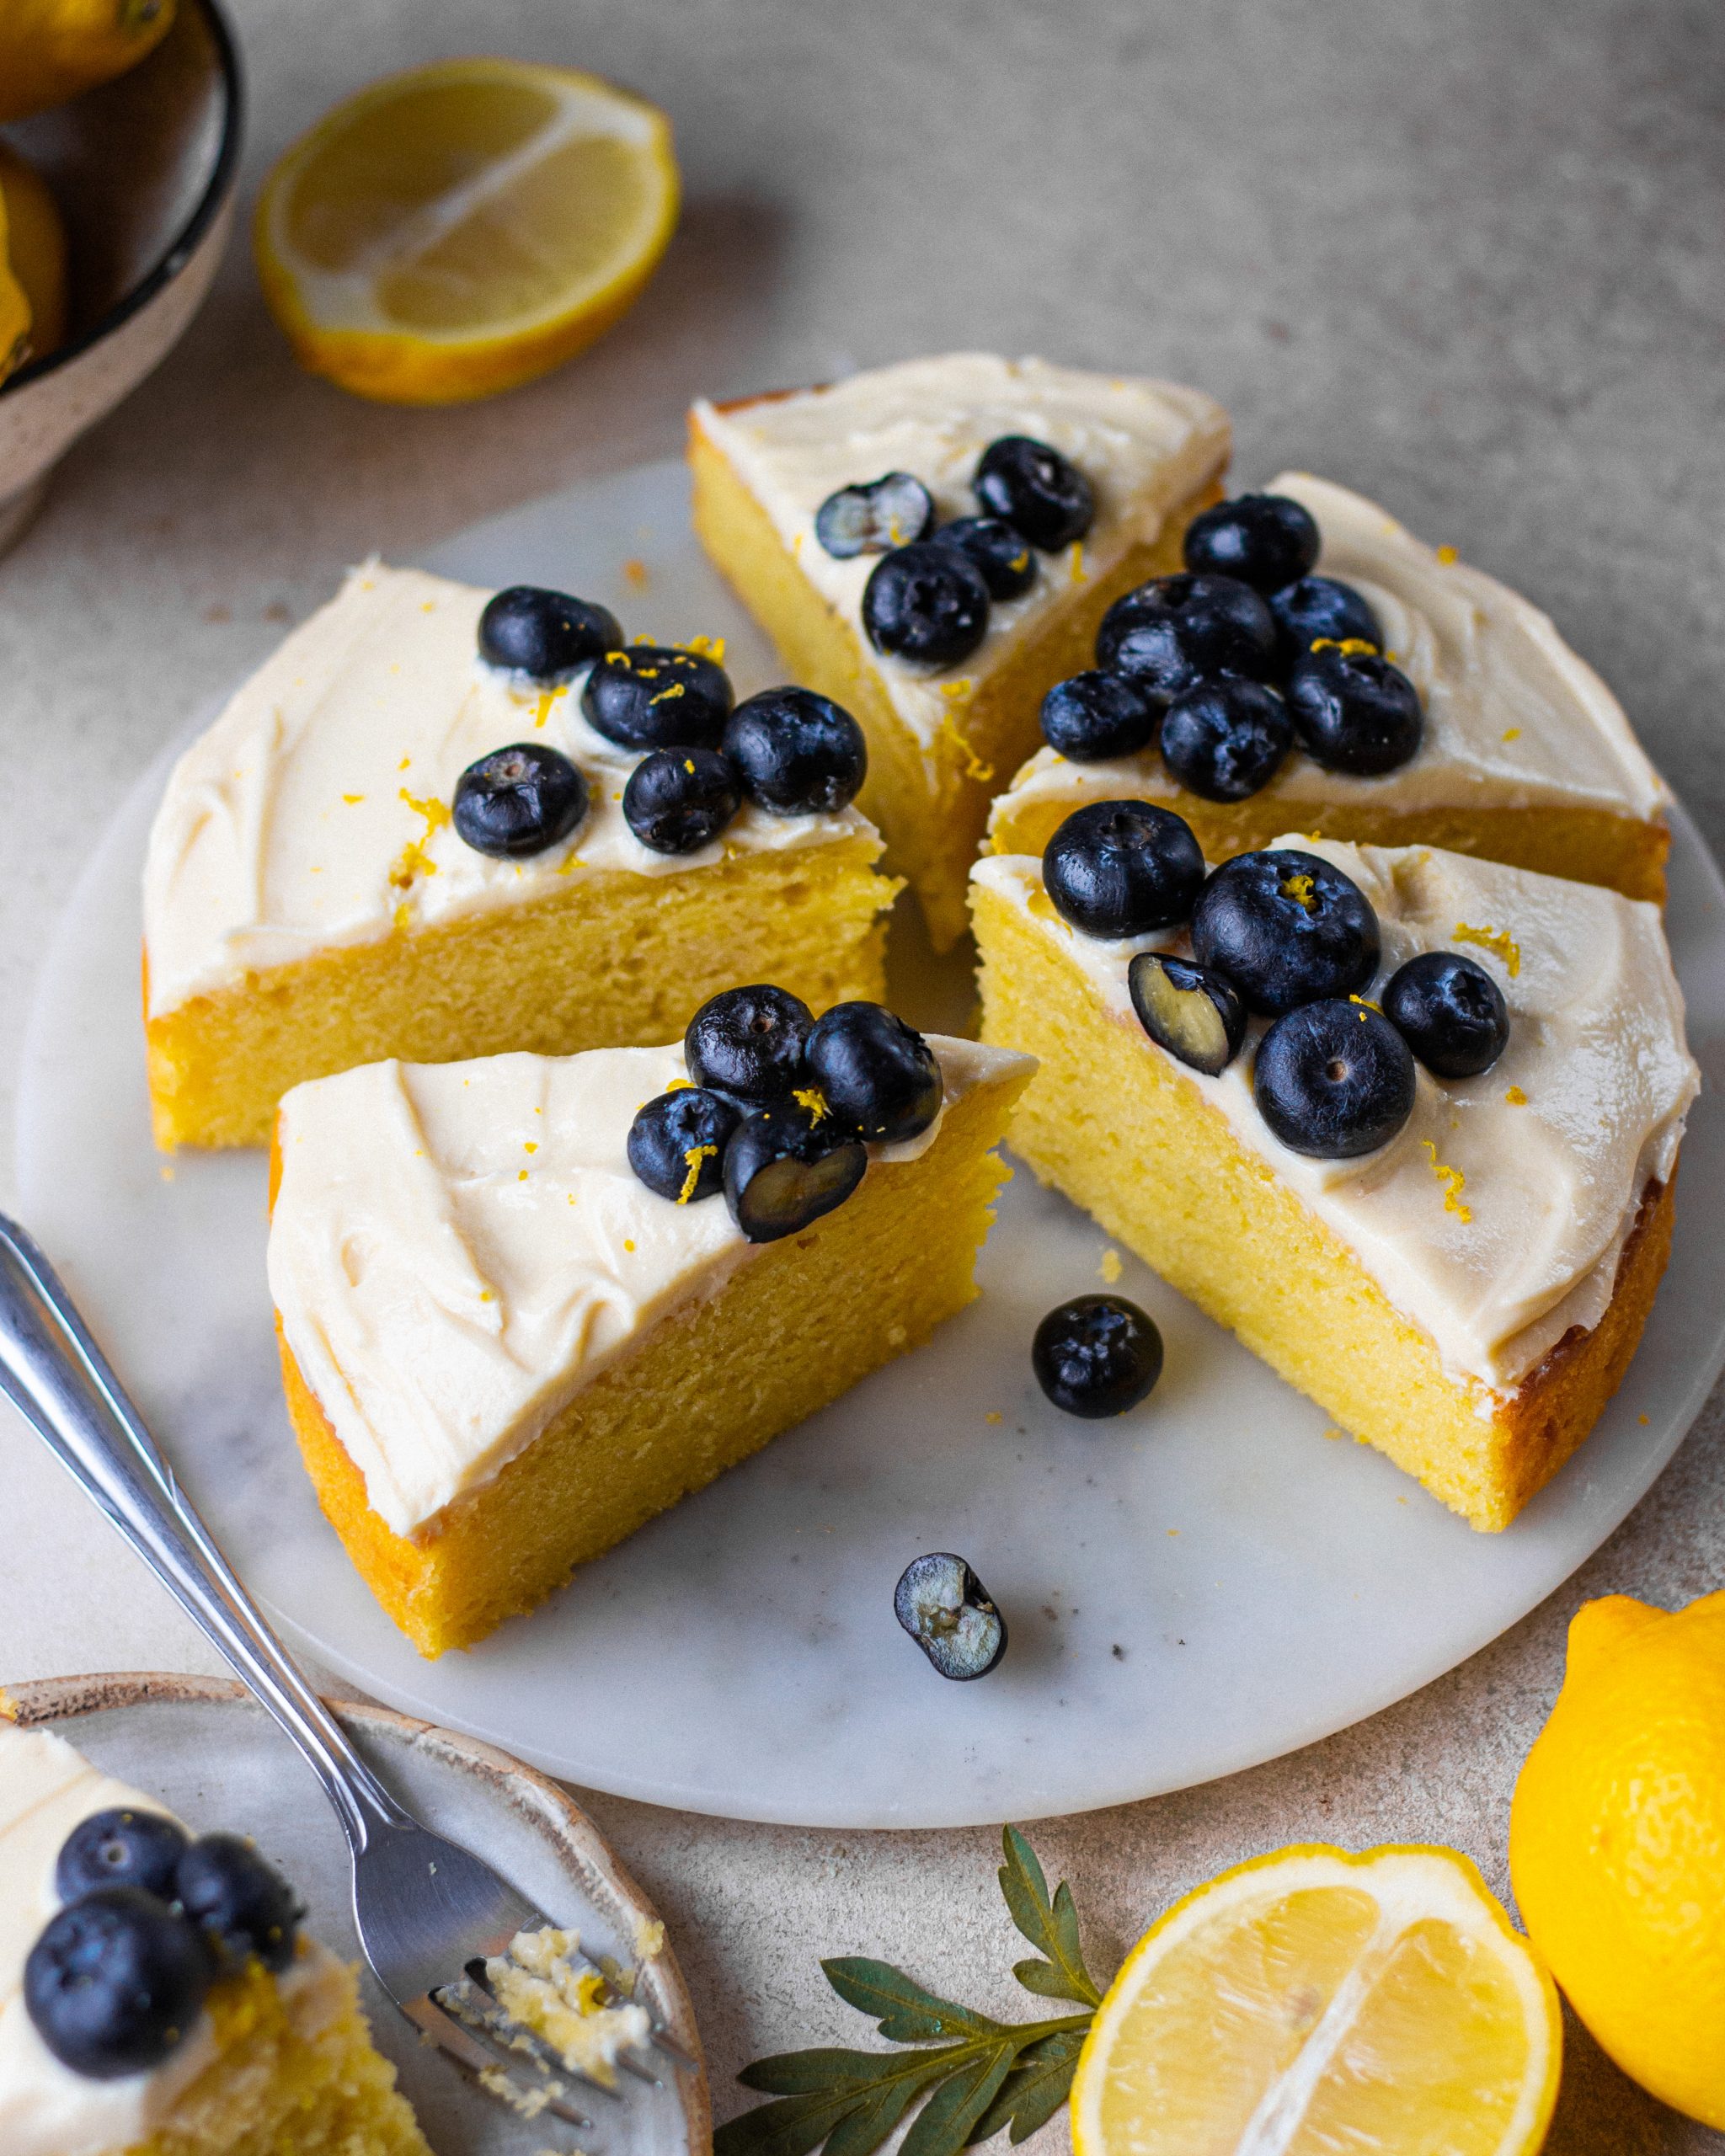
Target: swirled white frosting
x=1144, y=446
x=456, y=1248
x=314, y=813
x=1495, y=1219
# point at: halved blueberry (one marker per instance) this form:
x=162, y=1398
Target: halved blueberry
x=797, y=753
x=951, y=1615
x=1265, y=540
x=1333, y=1080
x=871, y=519
x=239, y=1901
x=1450, y=1012
x=1225, y=739
x=1118, y=868
x=1354, y=712
x=786, y=1166
x=545, y=635
x=1193, y=1012
x=878, y=1075
x=999, y=550
x=115, y=1982
x=120, y=1848
x=677, y=1144
x=678, y=800
x=1286, y=928
x=1176, y=631
x=519, y=801
x=1036, y=490
x=1097, y=1356
x=927, y=602
x=1321, y=606
x=1096, y=717
x=655, y=695
x=748, y=1043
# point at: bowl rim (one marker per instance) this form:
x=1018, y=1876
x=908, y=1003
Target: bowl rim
x=184, y=243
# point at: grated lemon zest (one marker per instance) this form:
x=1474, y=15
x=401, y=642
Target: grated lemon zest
x=1516, y=1098
x=1496, y=940
x=1454, y=1182
x=692, y=1159
x=1299, y=890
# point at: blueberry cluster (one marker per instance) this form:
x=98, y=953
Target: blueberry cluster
x=928, y=597
x=781, y=1107
x=149, y=1920
x=789, y=751
x=1231, y=662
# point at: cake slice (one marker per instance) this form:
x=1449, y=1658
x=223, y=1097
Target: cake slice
x=316, y=897
x=504, y=1351
x=1462, y=1284
x=1525, y=756
x=945, y=733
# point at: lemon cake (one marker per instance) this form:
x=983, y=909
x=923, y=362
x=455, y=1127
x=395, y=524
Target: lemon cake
x=1085, y=482
x=440, y=822
x=1446, y=1225
x=1521, y=754
x=145, y=2008
x=516, y=1321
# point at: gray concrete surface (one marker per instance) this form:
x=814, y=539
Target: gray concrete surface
x=1464, y=254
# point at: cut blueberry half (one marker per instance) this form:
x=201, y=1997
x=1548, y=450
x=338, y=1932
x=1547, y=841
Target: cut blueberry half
x=782, y=1170
x=892, y=511
x=1188, y=1009
x=951, y=1615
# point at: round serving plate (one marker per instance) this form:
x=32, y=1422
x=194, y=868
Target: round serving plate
x=1202, y=1585
x=207, y=1751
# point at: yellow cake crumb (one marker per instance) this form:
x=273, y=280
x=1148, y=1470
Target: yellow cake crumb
x=635, y=573
x=1449, y=556
x=1516, y=1098
x=1110, y=1266
x=994, y=1415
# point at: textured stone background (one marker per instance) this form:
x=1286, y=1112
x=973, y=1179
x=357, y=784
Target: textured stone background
x=1464, y=254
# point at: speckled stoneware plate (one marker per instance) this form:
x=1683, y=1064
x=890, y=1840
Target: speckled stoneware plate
x=1202, y=1585
x=212, y=1756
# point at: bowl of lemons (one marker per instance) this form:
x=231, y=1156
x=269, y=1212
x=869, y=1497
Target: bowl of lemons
x=119, y=130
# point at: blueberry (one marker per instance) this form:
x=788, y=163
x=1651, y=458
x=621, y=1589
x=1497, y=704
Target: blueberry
x=1119, y=869
x=1265, y=540
x=797, y=753
x=1333, y=1080
x=951, y=1615
x=239, y=1902
x=120, y=1848
x=927, y=602
x=1450, y=1011
x=1321, y=606
x=1036, y=490
x=545, y=635
x=871, y=518
x=1095, y=717
x=1286, y=928
x=1354, y=712
x=999, y=550
x=677, y=1144
x=786, y=1166
x=748, y=1043
x=114, y=1982
x=1225, y=739
x=652, y=696
x=678, y=799
x=1176, y=631
x=1097, y=1356
x=518, y=800
x=878, y=1075
x=1193, y=1013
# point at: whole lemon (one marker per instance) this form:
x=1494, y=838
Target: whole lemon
x=14, y=309
x=1617, y=1843
x=52, y=49
x=36, y=248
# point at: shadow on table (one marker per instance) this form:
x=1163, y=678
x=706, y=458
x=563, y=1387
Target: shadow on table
x=1601, y=2112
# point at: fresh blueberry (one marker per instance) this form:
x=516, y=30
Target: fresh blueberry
x=787, y=1165
x=677, y=1144
x=1321, y=606
x=927, y=602
x=545, y=635
x=518, y=800
x=678, y=799
x=1450, y=1011
x=1119, y=869
x=878, y=1075
x=1225, y=739
x=1333, y=1080
x=114, y=1982
x=1097, y=1356
x=951, y=1615
x=239, y=1902
x=1265, y=540
x=748, y=1043
x=797, y=753
x=1286, y=928
x=1036, y=490
x=1176, y=631
x=998, y=549
x=872, y=519
x=120, y=1848
x=1193, y=1013
x=653, y=696
x=1354, y=712
x=1095, y=717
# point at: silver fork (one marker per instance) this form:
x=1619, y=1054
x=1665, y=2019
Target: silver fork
x=429, y=1913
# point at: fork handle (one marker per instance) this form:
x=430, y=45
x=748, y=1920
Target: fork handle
x=54, y=1374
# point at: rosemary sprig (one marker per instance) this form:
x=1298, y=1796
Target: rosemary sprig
x=978, y=2075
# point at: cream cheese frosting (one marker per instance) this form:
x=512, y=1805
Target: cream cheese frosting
x=314, y=813
x=1494, y=1220
x=1144, y=446
x=1513, y=718
x=456, y=1248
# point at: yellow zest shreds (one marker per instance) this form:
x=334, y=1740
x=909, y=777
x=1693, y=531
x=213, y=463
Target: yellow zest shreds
x=522, y=1175
x=1349, y=647
x=1111, y=1267
x=973, y=765
x=1299, y=890
x=628, y=1245
x=711, y=647
x=959, y=691
x=1080, y=573
x=812, y=1098
x=350, y=798
x=692, y=1159
x=681, y=1085
x=635, y=573
x=1449, y=556
x=994, y=1415
x=435, y=812
x=664, y=696
x=1516, y=1098
x=404, y=914
x=530, y=1144
x=1043, y=907
x=414, y=859
x=404, y=764
x=1497, y=941
x=1512, y=734
x=1366, y=1003
x=1454, y=1182
x=542, y=709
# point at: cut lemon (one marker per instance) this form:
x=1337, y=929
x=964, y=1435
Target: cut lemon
x=463, y=228
x=1311, y=2003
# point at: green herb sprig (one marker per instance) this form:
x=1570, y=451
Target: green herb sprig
x=978, y=2074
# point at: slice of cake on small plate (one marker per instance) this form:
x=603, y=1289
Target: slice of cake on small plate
x=526, y=1303
x=1058, y=489
x=440, y=822
x=1406, y=1121
x=1402, y=698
